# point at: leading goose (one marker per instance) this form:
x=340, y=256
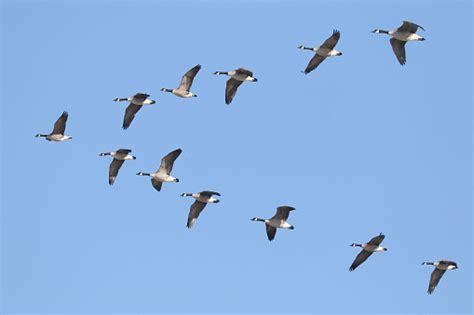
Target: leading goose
x=136, y=102
x=185, y=85
x=119, y=157
x=58, y=131
x=202, y=198
x=399, y=37
x=277, y=221
x=163, y=173
x=440, y=268
x=322, y=52
x=367, y=249
x=236, y=78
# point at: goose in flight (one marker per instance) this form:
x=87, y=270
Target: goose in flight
x=202, y=198
x=322, y=52
x=367, y=249
x=440, y=268
x=277, y=221
x=163, y=173
x=136, y=102
x=406, y=32
x=185, y=85
x=58, y=131
x=236, y=78
x=119, y=157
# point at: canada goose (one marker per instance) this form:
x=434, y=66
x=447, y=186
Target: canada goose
x=325, y=50
x=202, y=198
x=236, y=78
x=367, y=250
x=163, y=173
x=440, y=268
x=136, y=102
x=277, y=221
x=406, y=32
x=119, y=157
x=185, y=85
x=58, y=131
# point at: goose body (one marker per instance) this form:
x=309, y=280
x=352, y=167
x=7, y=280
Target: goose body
x=119, y=157
x=405, y=33
x=323, y=51
x=278, y=221
x=135, y=104
x=162, y=175
x=440, y=268
x=237, y=77
x=368, y=248
x=202, y=198
x=58, y=131
x=186, y=82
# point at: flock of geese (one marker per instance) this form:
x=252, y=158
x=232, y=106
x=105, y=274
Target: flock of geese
x=399, y=37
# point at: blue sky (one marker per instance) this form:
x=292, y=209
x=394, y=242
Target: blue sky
x=360, y=146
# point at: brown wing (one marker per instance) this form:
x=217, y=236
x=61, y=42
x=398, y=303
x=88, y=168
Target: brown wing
x=271, y=231
x=209, y=193
x=188, y=77
x=244, y=71
x=156, y=184
x=434, y=280
x=168, y=160
x=376, y=240
x=194, y=212
x=363, y=255
x=140, y=97
x=331, y=42
x=130, y=112
x=124, y=151
x=314, y=63
x=230, y=89
x=114, y=168
x=409, y=27
x=283, y=212
x=60, y=124
x=398, y=47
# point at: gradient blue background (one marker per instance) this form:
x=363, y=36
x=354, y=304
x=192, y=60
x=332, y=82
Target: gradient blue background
x=360, y=146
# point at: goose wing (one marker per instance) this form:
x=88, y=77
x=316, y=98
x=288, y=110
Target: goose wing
x=194, y=212
x=244, y=71
x=188, y=77
x=363, y=255
x=140, y=97
x=209, y=193
x=409, y=27
x=168, y=160
x=398, y=47
x=271, y=231
x=60, y=124
x=124, y=151
x=130, y=112
x=434, y=279
x=331, y=42
x=156, y=184
x=231, y=89
x=114, y=168
x=314, y=63
x=283, y=212
x=376, y=240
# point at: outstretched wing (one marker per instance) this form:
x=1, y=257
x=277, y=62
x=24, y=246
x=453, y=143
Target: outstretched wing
x=209, y=193
x=124, y=151
x=409, y=27
x=271, y=231
x=376, y=240
x=188, y=77
x=60, y=124
x=283, y=212
x=331, y=42
x=194, y=212
x=130, y=112
x=244, y=71
x=363, y=255
x=314, y=63
x=398, y=48
x=168, y=160
x=434, y=280
x=114, y=168
x=156, y=184
x=230, y=89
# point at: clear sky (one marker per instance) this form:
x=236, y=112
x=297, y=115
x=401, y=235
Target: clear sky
x=360, y=146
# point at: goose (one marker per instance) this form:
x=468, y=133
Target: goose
x=440, y=268
x=136, y=102
x=202, y=198
x=163, y=173
x=119, y=157
x=399, y=37
x=277, y=221
x=236, y=78
x=367, y=249
x=322, y=52
x=185, y=85
x=58, y=131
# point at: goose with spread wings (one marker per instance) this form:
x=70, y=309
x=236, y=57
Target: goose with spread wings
x=237, y=77
x=163, y=174
x=367, y=249
x=440, y=268
x=135, y=104
x=186, y=81
x=323, y=51
x=202, y=198
x=279, y=220
x=58, y=131
x=119, y=156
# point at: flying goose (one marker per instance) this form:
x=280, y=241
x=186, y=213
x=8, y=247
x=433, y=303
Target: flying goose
x=399, y=37
x=163, y=173
x=202, y=198
x=277, y=221
x=325, y=50
x=136, y=102
x=119, y=157
x=58, y=131
x=185, y=85
x=236, y=78
x=440, y=268
x=367, y=249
